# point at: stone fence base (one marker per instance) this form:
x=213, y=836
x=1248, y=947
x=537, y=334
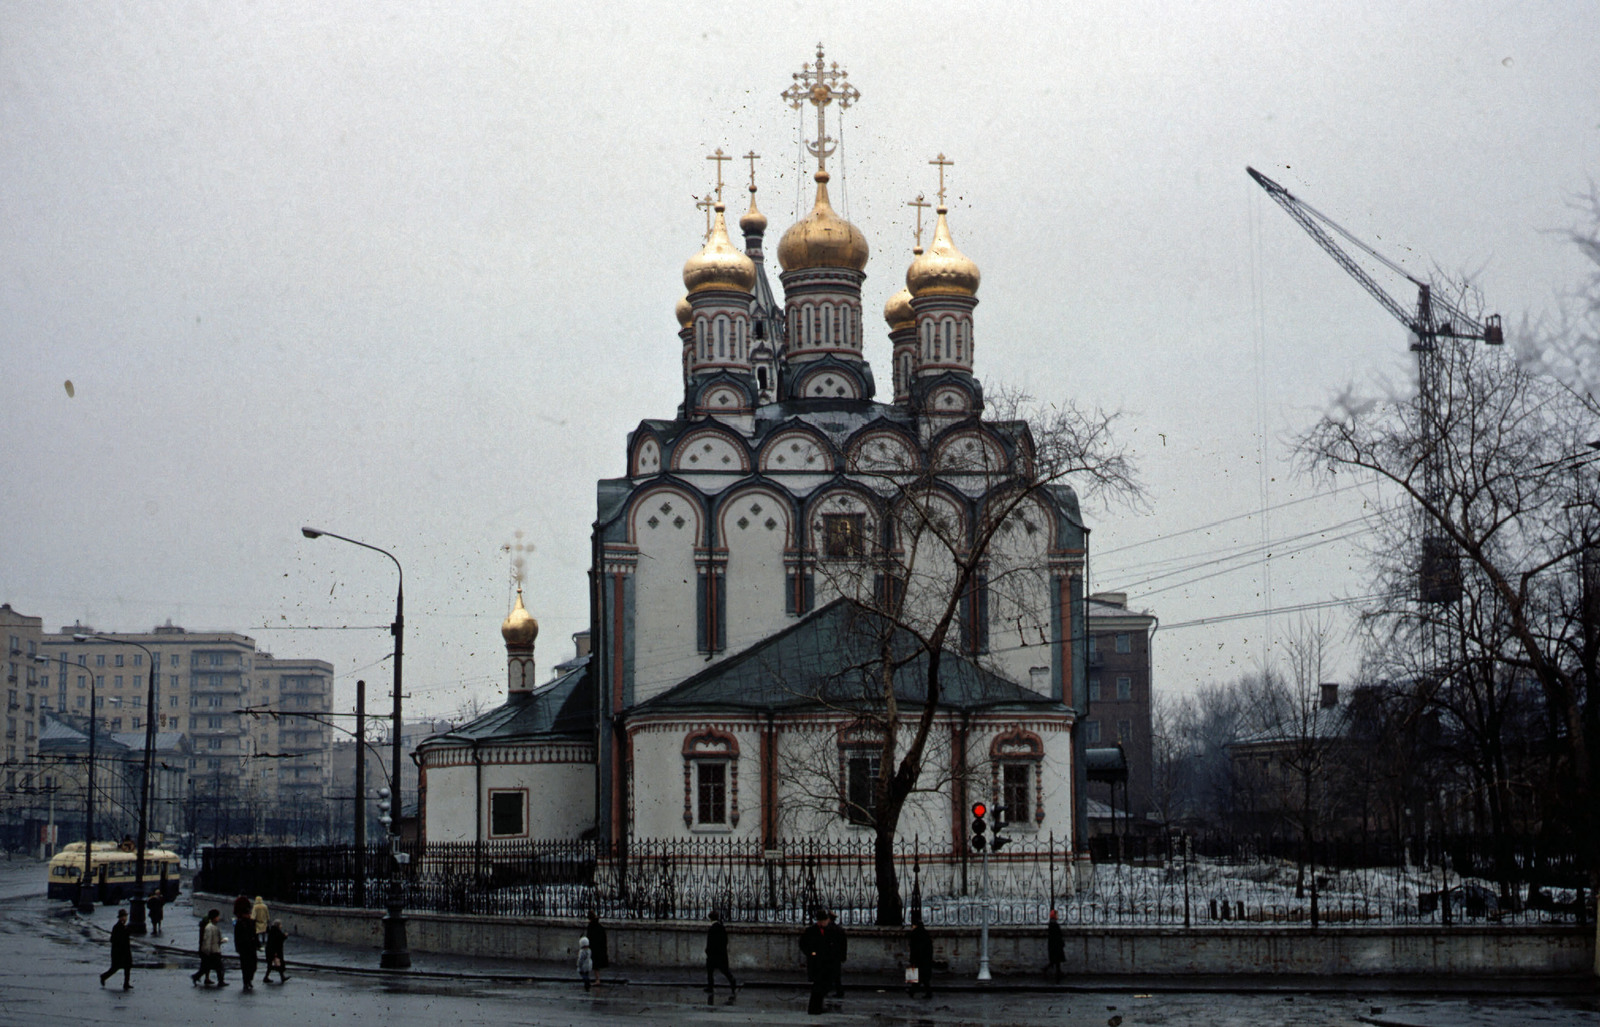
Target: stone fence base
x=1099, y=951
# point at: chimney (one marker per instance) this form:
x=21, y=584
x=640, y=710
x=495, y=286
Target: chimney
x=580, y=642
x=1330, y=695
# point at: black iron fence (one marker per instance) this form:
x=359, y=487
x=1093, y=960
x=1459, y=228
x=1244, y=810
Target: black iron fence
x=1167, y=882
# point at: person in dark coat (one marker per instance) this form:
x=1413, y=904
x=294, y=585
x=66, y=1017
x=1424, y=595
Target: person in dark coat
x=275, y=940
x=598, y=952
x=717, y=955
x=242, y=906
x=121, y=951
x=841, y=944
x=921, y=956
x=822, y=951
x=156, y=905
x=1056, y=945
x=244, y=943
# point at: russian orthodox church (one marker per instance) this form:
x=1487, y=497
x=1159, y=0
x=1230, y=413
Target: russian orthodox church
x=767, y=571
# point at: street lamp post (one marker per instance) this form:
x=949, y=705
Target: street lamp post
x=396, y=956
x=86, y=889
x=136, y=923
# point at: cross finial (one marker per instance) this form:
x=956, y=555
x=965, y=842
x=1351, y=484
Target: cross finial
x=705, y=203
x=752, y=157
x=943, y=163
x=921, y=204
x=719, y=157
x=820, y=85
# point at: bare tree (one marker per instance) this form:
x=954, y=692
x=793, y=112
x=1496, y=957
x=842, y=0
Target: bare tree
x=959, y=528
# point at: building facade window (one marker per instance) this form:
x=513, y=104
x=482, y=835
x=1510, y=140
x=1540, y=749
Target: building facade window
x=711, y=781
x=1124, y=730
x=861, y=787
x=1091, y=731
x=508, y=813
x=1016, y=792
x=1018, y=760
x=1094, y=689
x=1124, y=688
x=1124, y=644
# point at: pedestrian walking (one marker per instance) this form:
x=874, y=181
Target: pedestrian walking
x=818, y=944
x=121, y=951
x=275, y=940
x=244, y=943
x=599, y=950
x=156, y=905
x=717, y=955
x=841, y=944
x=211, y=950
x=1055, y=944
x=585, y=963
x=258, y=913
x=921, y=958
x=242, y=906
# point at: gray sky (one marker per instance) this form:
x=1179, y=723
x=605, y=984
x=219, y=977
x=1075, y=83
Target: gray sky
x=406, y=272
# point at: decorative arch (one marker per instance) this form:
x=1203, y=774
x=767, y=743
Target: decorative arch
x=711, y=449
x=970, y=450
x=1022, y=750
x=828, y=383
x=668, y=503
x=796, y=449
x=882, y=450
x=646, y=456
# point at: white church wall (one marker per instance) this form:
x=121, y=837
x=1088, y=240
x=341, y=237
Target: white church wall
x=558, y=797
x=450, y=808
x=755, y=527
x=1019, y=593
x=662, y=773
x=666, y=528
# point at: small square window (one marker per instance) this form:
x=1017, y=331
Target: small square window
x=1124, y=644
x=506, y=813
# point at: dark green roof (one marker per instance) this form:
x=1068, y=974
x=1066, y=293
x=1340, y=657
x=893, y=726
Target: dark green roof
x=559, y=709
x=831, y=658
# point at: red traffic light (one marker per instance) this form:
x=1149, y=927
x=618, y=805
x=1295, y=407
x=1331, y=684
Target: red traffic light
x=979, y=809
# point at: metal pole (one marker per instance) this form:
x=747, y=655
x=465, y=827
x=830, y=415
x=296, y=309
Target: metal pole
x=396, y=956
x=361, y=795
x=136, y=924
x=85, y=896
x=983, y=937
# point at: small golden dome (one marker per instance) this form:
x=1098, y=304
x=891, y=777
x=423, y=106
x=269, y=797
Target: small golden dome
x=719, y=265
x=754, y=222
x=822, y=238
x=519, y=627
x=684, y=312
x=898, y=311
x=943, y=270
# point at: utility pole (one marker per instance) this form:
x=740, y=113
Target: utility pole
x=361, y=795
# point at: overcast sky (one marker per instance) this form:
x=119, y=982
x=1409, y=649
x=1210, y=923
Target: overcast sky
x=406, y=272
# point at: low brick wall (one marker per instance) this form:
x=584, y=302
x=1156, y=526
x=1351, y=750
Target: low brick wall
x=1475, y=951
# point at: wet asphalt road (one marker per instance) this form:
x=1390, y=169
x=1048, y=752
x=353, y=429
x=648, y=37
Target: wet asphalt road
x=50, y=960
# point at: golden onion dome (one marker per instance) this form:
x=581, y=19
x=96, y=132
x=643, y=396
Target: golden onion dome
x=822, y=238
x=684, y=312
x=898, y=311
x=754, y=222
x=519, y=627
x=943, y=270
x=720, y=265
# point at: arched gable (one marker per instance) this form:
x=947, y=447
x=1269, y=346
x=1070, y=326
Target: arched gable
x=646, y=459
x=970, y=449
x=711, y=449
x=756, y=530
x=668, y=505
x=796, y=448
x=882, y=450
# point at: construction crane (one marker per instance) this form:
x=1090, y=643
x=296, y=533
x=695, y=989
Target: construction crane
x=1438, y=572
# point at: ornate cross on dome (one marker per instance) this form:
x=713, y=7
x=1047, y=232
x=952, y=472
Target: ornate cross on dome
x=821, y=85
x=752, y=157
x=719, y=157
x=943, y=163
x=921, y=204
x=706, y=203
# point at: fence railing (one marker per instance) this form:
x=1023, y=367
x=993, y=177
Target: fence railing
x=1169, y=882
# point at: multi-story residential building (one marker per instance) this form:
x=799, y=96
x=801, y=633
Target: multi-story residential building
x=1120, y=696
x=257, y=734
x=26, y=703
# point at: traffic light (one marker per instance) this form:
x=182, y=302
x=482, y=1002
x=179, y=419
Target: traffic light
x=979, y=827
x=998, y=841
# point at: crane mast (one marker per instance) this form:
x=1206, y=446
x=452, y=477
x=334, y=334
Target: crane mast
x=1432, y=319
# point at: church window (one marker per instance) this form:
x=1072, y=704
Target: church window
x=761, y=378
x=844, y=536
x=861, y=787
x=948, y=348
x=711, y=792
x=507, y=813
x=722, y=337
x=1016, y=792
